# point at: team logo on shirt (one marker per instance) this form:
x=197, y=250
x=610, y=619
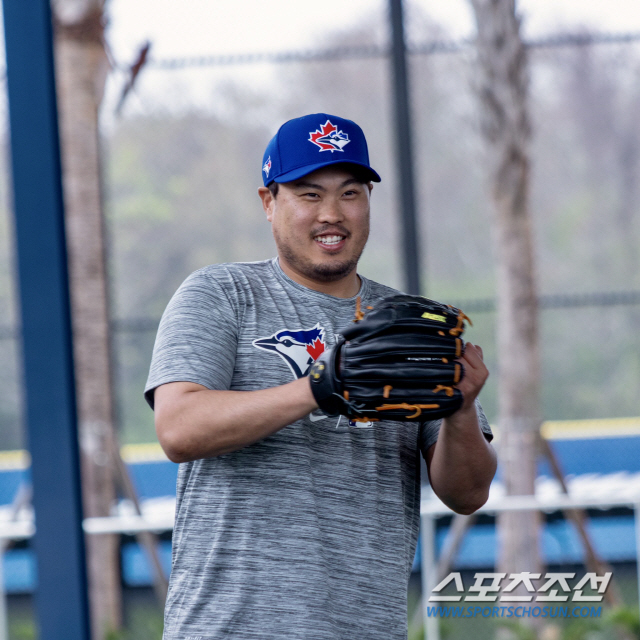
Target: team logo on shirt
x=329, y=137
x=299, y=349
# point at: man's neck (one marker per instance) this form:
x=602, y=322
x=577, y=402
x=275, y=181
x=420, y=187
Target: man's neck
x=346, y=287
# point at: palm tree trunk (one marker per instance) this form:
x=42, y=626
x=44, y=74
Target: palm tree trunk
x=503, y=90
x=81, y=66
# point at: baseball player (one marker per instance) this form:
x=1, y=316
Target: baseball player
x=289, y=523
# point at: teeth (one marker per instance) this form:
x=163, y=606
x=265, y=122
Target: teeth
x=330, y=239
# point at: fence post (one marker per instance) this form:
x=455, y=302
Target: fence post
x=4, y=621
x=61, y=597
x=428, y=568
x=404, y=151
x=636, y=517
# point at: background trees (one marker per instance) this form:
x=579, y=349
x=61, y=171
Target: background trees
x=180, y=183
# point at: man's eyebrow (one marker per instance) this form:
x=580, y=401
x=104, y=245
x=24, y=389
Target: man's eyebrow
x=311, y=185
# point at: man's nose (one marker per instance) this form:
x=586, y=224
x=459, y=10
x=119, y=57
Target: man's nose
x=330, y=211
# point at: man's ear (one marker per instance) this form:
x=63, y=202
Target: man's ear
x=268, y=201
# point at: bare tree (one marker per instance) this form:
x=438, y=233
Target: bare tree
x=82, y=67
x=503, y=89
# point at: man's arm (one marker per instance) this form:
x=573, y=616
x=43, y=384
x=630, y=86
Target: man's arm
x=195, y=422
x=462, y=463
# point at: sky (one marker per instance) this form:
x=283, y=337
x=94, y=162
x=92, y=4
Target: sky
x=208, y=27
x=197, y=27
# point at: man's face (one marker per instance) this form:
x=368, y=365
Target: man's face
x=320, y=223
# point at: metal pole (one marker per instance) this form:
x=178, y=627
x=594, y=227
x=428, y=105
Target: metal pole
x=4, y=621
x=428, y=571
x=410, y=251
x=61, y=596
x=636, y=516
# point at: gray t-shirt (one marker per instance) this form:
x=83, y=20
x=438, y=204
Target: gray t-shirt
x=309, y=533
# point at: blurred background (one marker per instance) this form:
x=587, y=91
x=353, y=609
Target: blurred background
x=181, y=160
x=182, y=168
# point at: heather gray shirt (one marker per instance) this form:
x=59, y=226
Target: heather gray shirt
x=309, y=533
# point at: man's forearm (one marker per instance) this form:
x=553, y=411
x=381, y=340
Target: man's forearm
x=194, y=422
x=462, y=463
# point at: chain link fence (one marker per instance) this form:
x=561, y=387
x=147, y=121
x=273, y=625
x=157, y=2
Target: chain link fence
x=182, y=166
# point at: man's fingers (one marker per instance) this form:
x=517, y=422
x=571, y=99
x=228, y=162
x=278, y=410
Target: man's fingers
x=479, y=348
x=472, y=354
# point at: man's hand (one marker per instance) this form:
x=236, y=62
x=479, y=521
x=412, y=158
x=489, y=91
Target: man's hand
x=462, y=463
x=475, y=374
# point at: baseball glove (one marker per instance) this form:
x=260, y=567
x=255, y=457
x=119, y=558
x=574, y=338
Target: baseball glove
x=396, y=362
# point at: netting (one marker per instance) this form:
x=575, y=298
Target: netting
x=182, y=166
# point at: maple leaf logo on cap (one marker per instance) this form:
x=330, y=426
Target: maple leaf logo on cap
x=329, y=138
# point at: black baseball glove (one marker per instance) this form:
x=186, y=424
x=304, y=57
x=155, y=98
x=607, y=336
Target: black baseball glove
x=396, y=362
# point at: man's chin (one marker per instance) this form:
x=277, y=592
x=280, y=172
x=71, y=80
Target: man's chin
x=321, y=269
x=331, y=272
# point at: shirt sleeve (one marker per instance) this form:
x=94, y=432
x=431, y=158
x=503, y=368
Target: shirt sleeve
x=196, y=339
x=429, y=430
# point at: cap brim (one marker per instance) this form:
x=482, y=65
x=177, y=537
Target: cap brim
x=294, y=174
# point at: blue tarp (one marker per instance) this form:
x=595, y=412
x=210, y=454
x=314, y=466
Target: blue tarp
x=613, y=536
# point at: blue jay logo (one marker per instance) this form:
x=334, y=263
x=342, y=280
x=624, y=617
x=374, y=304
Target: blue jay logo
x=299, y=349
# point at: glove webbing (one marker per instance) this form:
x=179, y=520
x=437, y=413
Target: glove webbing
x=416, y=407
x=389, y=407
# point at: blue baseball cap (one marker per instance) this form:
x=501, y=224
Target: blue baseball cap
x=311, y=142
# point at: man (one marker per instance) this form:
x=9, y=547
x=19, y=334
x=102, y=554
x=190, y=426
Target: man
x=290, y=524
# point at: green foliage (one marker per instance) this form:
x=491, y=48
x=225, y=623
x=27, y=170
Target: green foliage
x=621, y=623
x=22, y=630
x=519, y=630
x=180, y=193
x=624, y=618
x=145, y=624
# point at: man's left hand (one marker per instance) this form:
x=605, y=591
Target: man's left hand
x=475, y=375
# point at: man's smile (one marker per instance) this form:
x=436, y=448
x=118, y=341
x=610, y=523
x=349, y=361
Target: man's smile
x=331, y=243
x=329, y=239
x=332, y=238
